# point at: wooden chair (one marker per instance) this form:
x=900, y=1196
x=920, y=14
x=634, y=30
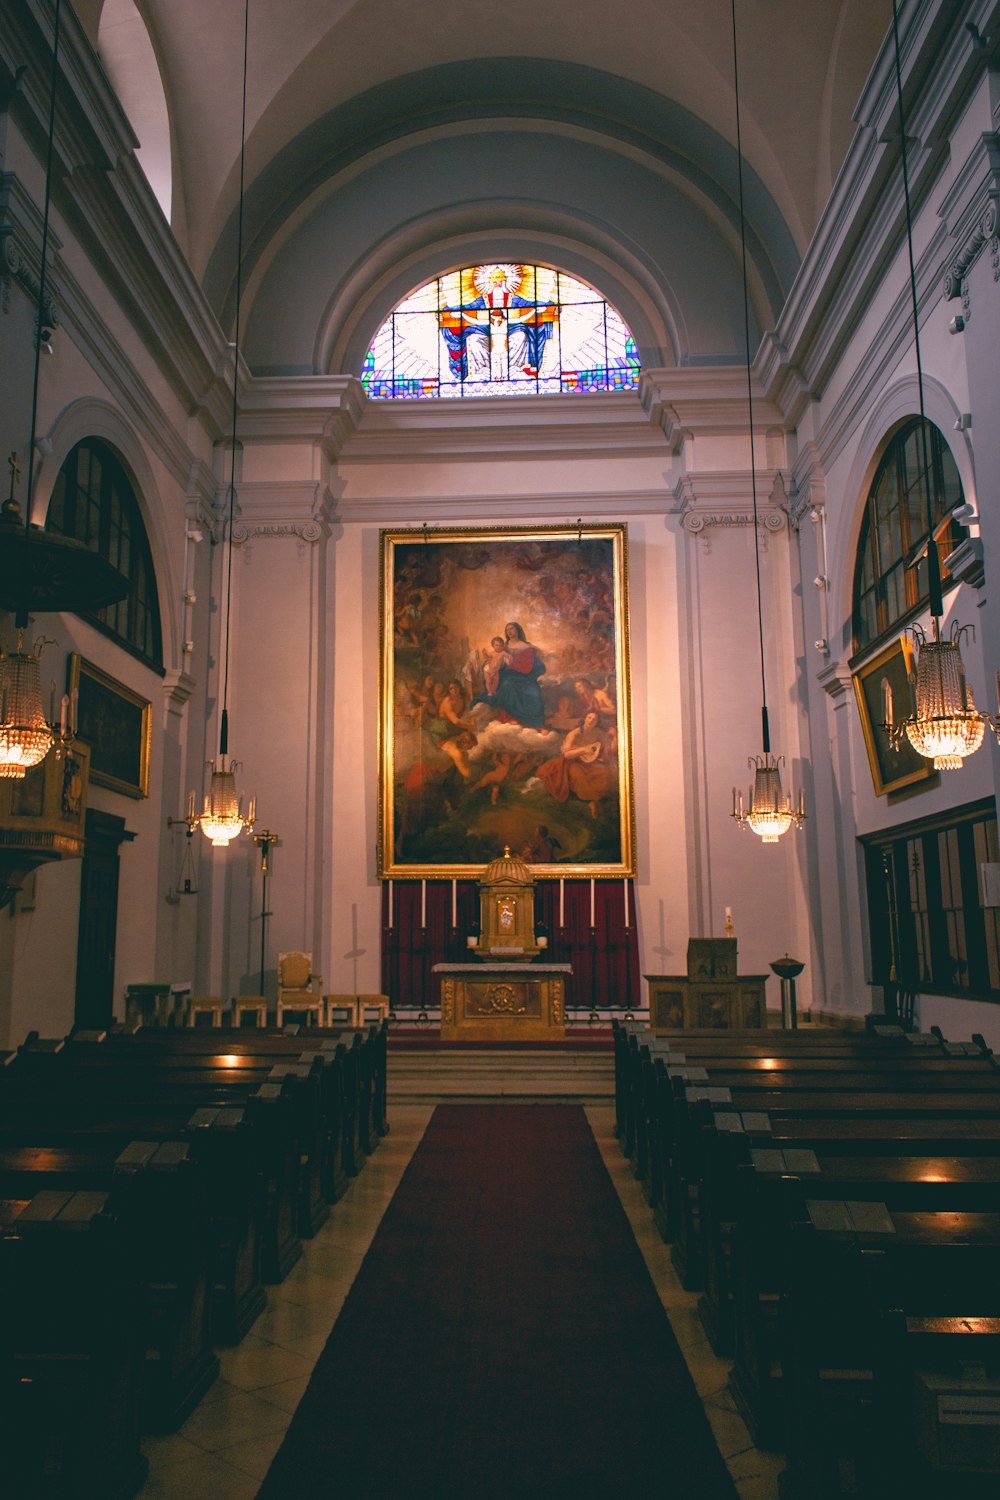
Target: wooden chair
x=250, y=1005
x=204, y=1005
x=298, y=988
x=339, y=1010
x=372, y=1008
x=146, y=1005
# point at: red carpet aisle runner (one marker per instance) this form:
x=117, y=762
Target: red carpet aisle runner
x=503, y=1340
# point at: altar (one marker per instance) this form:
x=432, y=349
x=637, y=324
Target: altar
x=494, y=1001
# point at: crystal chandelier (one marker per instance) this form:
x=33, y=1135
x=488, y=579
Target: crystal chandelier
x=770, y=812
x=221, y=819
x=26, y=736
x=945, y=725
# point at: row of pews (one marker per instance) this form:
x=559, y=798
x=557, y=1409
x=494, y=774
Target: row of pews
x=834, y=1196
x=152, y=1184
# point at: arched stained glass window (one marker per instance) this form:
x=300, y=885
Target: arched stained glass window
x=501, y=330
x=93, y=501
x=890, y=580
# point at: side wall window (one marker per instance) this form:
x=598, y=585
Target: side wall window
x=890, y=579
x=925, y=905
x=94, y=502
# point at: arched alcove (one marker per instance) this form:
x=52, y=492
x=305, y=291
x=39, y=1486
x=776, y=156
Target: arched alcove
x=125, y=49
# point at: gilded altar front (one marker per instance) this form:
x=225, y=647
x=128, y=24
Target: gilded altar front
x=498, y=1002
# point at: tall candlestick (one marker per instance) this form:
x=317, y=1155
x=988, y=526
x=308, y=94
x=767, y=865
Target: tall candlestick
x=63, y=714
x=562, y=914
x=423, y=903
x=191, y=807
x=390, y=905
x=592, y=901
x=625, y=890
x=454, y=903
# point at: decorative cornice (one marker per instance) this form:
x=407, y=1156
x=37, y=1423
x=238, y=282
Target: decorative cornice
x=966, y=563
x=177, y=690
x=835, y=678
x=690, y=402
x=322, y=409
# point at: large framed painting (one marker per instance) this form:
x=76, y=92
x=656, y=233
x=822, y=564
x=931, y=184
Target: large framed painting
x=892, y=770
x=117, y=724
x=505, y=702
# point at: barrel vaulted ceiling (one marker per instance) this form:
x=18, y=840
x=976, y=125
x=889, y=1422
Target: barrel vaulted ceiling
x=388, y=139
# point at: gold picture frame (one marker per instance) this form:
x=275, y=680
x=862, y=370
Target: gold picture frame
x=892, y=770
x=505, y=705
x=117, y=725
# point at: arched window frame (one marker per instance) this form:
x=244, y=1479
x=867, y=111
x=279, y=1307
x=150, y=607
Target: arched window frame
x=449, y=301
x=94, y=501
x=890, y=572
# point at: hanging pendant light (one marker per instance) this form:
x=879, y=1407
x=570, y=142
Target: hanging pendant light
x=222, y=819
x=25, y=734
x=945, y=725
x=770, y=812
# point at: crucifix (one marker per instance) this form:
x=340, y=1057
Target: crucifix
x=15, y=474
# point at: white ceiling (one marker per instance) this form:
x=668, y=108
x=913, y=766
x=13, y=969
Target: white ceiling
x=352, y=98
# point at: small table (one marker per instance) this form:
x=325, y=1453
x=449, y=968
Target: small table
x=493, y=1001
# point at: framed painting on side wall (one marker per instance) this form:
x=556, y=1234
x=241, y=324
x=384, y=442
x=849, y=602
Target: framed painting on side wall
x=891, y=769
x=505, y=701
x=116, y=723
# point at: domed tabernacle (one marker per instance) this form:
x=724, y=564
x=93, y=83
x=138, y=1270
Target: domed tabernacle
x=507, y=867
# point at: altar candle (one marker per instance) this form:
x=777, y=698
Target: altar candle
x=562, y=916
x=454, y=903
x=390, y=905
x=423, y=903
x=63, y=714
x=729, y=915
x=591, y=902
x=191, y=807
x=625, y=890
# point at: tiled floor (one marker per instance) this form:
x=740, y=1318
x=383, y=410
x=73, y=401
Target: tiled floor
x=225, y=1447
x=755, y=1474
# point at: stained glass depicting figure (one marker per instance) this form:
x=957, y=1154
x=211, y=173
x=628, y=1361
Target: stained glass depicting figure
x=501, y=329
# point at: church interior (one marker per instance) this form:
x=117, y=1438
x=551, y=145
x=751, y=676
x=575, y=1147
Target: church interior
x=496, y=557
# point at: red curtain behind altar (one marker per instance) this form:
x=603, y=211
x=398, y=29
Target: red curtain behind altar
x=604, y=957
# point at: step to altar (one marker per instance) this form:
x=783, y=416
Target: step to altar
x=456, y=1073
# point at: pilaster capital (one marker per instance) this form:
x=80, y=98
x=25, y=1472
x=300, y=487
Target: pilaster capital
x=21, y=247
x=267, y=510
x=808, y=486
x=970, y=212
x=703, y=500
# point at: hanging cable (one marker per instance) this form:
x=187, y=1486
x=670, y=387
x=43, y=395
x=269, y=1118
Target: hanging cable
x=42, y=277
x=933, y=559
x=746, y=333
x=224, y=723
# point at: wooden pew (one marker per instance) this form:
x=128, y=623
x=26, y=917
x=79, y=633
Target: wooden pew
x=237, y=1076
x=250, y=1145
x=71, y=1350
x=157, y=1196
x=852, y=1274
x=774, y=1203
x=731, y=1145
x=885, y=1097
